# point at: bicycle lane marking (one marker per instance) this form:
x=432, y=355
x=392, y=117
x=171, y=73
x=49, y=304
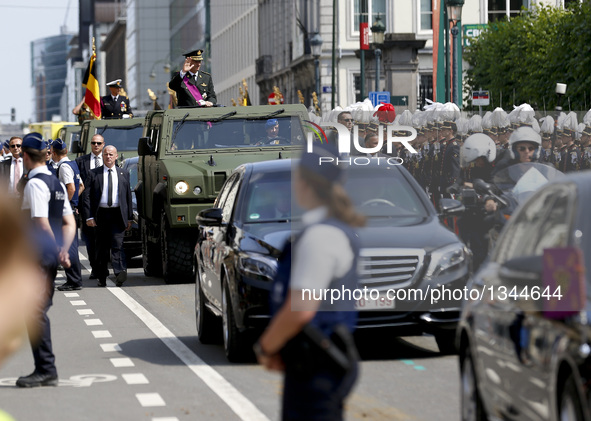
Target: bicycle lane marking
x=237, y=402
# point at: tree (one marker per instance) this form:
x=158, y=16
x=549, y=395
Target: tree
x=521, y=60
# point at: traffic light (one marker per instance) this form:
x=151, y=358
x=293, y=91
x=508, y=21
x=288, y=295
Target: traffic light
x=13, y=114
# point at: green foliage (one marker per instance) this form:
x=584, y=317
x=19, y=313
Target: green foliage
x=521, y=60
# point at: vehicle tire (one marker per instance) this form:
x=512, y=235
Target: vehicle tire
x=151, y=257
x=472, y=407
x=235, y=344
x=177, y=248
x=446, y=342
x=570, y=404
x=207, y=324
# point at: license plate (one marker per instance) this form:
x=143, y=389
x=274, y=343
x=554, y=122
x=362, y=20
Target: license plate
x=382, y=303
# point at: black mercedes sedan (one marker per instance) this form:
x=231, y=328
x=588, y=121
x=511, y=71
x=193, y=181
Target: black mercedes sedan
x=524, y=337
x=407, y=254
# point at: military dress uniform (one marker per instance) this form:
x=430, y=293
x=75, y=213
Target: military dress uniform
x=569, y=158
x=193, y=89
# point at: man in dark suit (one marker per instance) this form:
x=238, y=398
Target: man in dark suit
x=86, y=163
x=193, y=87
x=109, y=208
x=115, y=105
x=11, y=169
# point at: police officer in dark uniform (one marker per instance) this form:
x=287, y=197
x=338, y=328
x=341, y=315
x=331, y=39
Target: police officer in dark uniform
x=324, y=255
x=450, y=156
x=68, y=173
x=193, y=87
x=115, y=105
x=53, y=228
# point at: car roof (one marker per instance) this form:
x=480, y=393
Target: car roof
x=278, y=165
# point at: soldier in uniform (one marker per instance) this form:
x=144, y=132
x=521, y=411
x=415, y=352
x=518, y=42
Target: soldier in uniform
x=585, y=158
x=450, y=156
x=546, y=131
x=569, y=151
x=53, y=228
x=115, y=105
x=193, y=87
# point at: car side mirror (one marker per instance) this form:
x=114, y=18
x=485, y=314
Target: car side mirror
x=76, y=148
x=143, y=148
x=210, y=217
x=451, y=207
x=522, y=271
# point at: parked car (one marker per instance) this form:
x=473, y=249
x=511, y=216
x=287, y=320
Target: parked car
x=524, y=336
x=404, y=246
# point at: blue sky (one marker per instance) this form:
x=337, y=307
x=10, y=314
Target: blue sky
x=22, y=22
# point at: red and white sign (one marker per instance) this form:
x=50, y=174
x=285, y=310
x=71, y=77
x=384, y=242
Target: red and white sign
x=364, y=35
x=273, y=99
x=480, y=98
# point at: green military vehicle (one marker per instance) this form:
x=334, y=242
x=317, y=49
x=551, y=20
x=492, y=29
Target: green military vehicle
x=185, y=157
x=121, y=133
x=70, y=135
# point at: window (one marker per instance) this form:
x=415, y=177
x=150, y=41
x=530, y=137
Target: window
x=375, y=8
x=426, y=15
x=425, y=89
x=498, y=9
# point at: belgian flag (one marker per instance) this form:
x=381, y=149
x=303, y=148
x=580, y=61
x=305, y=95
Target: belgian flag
x=92, y=98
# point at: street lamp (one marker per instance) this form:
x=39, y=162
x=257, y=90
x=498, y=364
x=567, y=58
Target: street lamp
x=378, y=29
x=166, y=68
x=316, y=46
x=454, y=14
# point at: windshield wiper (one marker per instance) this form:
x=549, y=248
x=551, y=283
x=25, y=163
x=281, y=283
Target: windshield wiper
x=103, y=130
x=176, y=130
x=265, y=117
x=225, y=116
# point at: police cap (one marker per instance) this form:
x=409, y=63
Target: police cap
x=58, y=144
x=34, y=140
x=272, y=122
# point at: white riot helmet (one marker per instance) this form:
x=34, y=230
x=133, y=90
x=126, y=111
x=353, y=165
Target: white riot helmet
x=525, y=134
x=475, y=146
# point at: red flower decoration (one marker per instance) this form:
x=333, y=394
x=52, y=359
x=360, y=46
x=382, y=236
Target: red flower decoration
x=386, y=113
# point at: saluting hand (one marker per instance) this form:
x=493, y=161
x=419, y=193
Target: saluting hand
x=187, y=65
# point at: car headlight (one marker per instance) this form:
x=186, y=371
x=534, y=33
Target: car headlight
x=258, y=267
x=447, y=258
x=181, y=187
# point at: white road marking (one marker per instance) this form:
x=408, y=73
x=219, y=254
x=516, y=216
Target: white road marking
x=93, y=322
x=101, y=334
x=78, y=303
x=135, y=378
x=122, y=362
x=71, y=294
x=150, y=399
x=243, y=407
x=85, y=312
x=110, y=347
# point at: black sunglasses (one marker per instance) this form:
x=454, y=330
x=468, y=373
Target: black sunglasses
x=16, y=146
x=96, y=143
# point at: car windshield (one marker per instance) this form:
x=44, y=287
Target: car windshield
x=236, y=133
x=123, y=138
x=385, y=197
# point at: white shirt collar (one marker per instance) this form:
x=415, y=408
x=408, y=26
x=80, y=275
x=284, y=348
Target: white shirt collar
x=315, y=215
x=42, y=169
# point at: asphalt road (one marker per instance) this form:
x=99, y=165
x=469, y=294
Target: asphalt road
x=131, y=353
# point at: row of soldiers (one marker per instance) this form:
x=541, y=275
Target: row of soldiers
x=441, y=130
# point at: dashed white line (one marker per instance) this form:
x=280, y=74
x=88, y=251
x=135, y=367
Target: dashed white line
x=150, y=399
x=122, y=362
x=101, y=334
x=135, y=378
x=85, y=312
x=78, y=303
x=93, y=322
x=237, y=402
x=71, y=294
x=110, y=347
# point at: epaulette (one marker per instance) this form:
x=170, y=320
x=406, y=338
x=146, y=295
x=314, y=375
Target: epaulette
x=205, y=73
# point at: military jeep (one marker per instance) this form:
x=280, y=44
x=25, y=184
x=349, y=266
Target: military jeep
x=185, y=157
x=121, y=133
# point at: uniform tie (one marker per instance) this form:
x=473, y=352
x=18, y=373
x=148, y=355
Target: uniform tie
x=110, y=188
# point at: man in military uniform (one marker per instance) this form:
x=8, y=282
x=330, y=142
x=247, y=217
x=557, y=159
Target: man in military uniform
x=115, y=105
x=53, y=228
x=450, y=156
x=193, y=87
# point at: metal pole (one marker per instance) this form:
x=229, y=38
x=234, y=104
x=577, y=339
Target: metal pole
x=378, y=56
x=454, y=35
x=317, y=74
x=446, y=25
x=334, y=55
x=362, y=75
